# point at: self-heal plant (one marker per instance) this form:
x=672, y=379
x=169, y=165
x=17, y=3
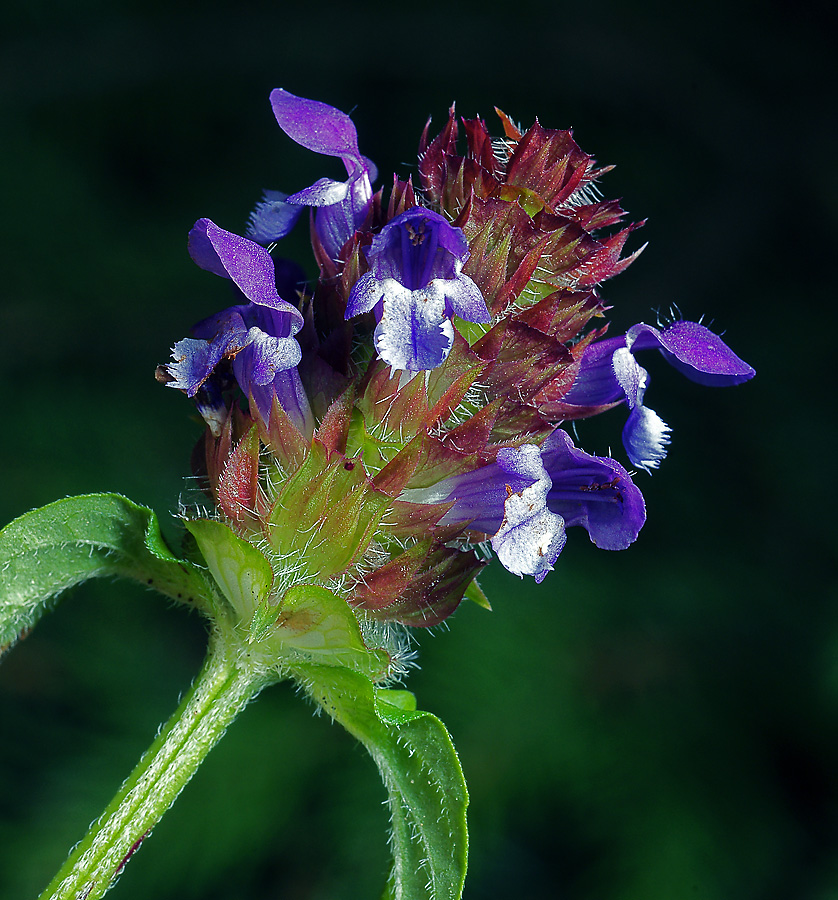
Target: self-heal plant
x=370, y=440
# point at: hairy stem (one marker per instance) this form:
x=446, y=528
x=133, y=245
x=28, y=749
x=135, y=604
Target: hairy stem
x=224, y=686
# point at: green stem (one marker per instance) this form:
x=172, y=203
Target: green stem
x=226, y=683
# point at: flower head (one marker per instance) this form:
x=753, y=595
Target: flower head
x=429, y=439
x=377, y=496
x=415, y=286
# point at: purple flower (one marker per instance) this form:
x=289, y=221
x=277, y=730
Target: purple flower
x=256, y=337
x=595, y=492
x=342, y=206
x=531, y=495
x=610, y=374
x=415, y=285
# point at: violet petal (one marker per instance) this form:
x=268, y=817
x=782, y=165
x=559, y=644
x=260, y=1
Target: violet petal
x=315, y=125
x=366, y=292
x=694, y=350
x=530, y=537
x=466, y=301
x=247, y=263
x=630, y=375
x=323, y=192
x=289, y=391
x=645, y=437
x=273, y=218
x=414, y=333
x=263, y=357
x=193, y=362
x=594, y=492
x=194, y=359
x=202, y=251
x=336, y=224
x=596, y=383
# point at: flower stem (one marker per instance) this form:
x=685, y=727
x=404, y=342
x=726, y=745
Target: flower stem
x=224, y=686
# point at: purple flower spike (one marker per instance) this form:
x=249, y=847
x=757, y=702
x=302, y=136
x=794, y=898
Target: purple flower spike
x=609, y=374
x=343, y=206
x=415, y=285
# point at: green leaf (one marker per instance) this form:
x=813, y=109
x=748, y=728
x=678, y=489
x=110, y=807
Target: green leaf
x=50, y=549
x=421, y=772
x=401, y=699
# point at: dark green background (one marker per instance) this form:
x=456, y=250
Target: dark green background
x=650, y=725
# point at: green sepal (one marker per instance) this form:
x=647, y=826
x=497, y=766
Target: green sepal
x=476, y=594
x=376, y=452
x=242, y=573
x=393, y=411
x=53, y=548
x=528, y=200
x=471, y=331
x=303, y=519
x=422, y=774
x=316, y=622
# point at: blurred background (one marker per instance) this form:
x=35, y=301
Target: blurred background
x=655, y=724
